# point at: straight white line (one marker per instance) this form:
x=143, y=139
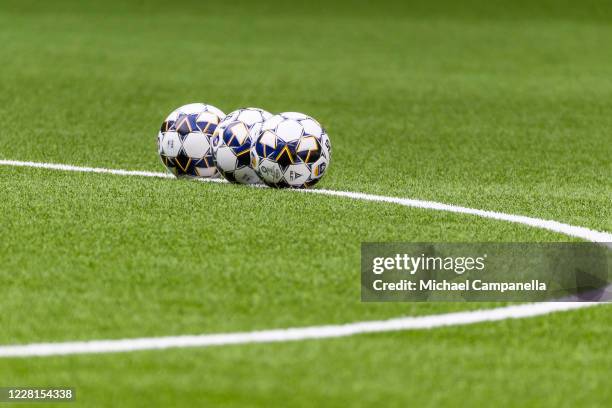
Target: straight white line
x=99, y=170
x=291, y=334
x=316, y=332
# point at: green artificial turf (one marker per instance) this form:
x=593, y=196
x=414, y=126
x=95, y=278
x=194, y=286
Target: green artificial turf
x=496, y=106
x=556, y=360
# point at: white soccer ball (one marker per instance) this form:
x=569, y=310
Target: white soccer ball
x=232, y=141
x=290, y=150
x=184, y=140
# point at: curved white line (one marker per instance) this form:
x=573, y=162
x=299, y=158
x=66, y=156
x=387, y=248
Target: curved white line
x=292, y=334
x=555, y=226
x=550, y=225
x=315, y=332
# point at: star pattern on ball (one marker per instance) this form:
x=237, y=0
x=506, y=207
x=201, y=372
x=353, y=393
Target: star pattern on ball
x=232, y=141
x=291, y=150
x=184, y=140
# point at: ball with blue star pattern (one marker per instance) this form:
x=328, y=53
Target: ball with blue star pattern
x=291, y=149
x=184, y=141
x=232, y=142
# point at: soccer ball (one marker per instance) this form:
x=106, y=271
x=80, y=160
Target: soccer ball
x=232, y=144
x=290, y=150
x=184, y=140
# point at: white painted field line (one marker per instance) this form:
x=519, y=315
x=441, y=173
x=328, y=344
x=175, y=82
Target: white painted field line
x=316, y=332
x=99, y=170
x=550, y=225
x=292, y=334
x=66, y=167
x=555, y=226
